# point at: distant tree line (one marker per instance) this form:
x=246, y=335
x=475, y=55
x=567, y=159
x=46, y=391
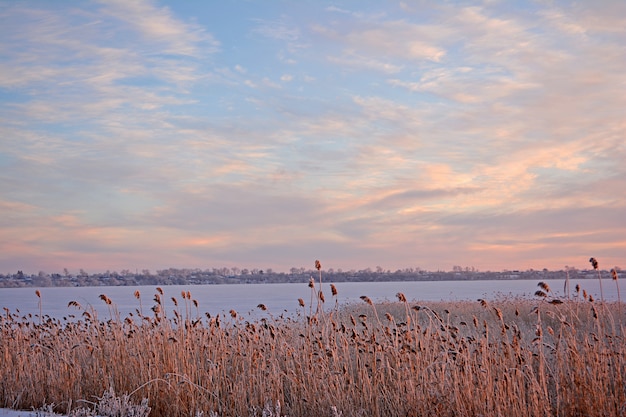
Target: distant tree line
x=234, y=275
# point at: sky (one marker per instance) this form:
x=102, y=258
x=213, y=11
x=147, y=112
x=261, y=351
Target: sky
x=268, y=134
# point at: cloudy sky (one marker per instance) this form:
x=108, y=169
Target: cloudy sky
x=157, y=134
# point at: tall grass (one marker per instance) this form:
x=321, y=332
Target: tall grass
x=509, y=357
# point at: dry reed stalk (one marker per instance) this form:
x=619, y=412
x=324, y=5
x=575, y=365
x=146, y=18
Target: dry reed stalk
x=615, y=277
x=39, y=305
x=566, y=288
x=320, y=294
x=334, y=292
x=402, y=298
x=138, y=297
x=594, y=264
x=313, y=294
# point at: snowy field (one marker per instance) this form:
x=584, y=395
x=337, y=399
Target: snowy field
x=5, y=412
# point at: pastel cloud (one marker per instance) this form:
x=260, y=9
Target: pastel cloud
x=135, y=135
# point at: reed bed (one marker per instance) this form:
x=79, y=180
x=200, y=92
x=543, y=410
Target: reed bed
x=508, y=357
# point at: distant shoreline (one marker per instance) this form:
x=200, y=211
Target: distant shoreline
x=236, y=276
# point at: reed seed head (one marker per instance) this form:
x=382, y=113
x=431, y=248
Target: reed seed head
x=106, y=299
x=137, y=294
x=262, y=307
x=37, y=293
x=594, y=262
x=311, y=282
x=318, y=265
x=498, y=313
x=401, y=297
x=367, y=299
x=614, y=274
x=333, y=290
x=544, y=286
x=301, y=302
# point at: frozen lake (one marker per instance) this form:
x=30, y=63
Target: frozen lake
x=278, y=298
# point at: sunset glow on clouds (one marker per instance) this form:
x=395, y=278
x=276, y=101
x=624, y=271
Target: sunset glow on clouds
x=156, y=134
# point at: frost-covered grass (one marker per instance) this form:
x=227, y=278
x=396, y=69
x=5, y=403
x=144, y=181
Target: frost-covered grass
x=512, y=357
